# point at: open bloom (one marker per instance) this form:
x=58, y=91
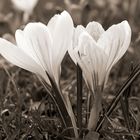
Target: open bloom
x=40, y=48
x=96, y=50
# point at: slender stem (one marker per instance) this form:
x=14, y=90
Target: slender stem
x=88, y=107
x=54, y=100
x=79, y=97
x=95, y=111
x=62, y=107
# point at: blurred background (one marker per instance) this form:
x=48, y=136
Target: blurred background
x=107, y=12
x=16, y=14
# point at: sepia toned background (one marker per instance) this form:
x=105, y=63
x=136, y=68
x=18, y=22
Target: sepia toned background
x=21, y=89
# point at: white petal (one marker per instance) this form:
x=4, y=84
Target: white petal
x=127, y=39
x=77, y=32
x=72, y=54
x=52, y=23
x=23, y=45
x=91, y=60
x=35, y=40
x=115, y=41
x=19, y=58
x=95, y=29
x=62, y=33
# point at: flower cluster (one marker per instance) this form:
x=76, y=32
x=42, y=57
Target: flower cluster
x=97, y=50
x=41, y=49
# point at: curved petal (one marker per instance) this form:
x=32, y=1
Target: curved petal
x=95, y=29
x=72, y=54
x=115, y=42
x=36, y=41
x=52, y=23
x=127, y=39
x=62, y=32
x=91, y=60
x=77, y=32
x=61, y=28
x=19, y=58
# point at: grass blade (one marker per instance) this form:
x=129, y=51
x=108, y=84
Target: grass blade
x=126, y=85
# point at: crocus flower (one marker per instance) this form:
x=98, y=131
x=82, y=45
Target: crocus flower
x=26, y=6
x=96, y=50
x=40, y=48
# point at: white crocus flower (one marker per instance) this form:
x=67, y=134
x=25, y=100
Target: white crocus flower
x=27, y=6
x=97, y=50
x=40, y=48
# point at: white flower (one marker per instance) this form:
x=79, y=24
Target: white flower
x=41, y=48
x=96, y=50
x=25, y=5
